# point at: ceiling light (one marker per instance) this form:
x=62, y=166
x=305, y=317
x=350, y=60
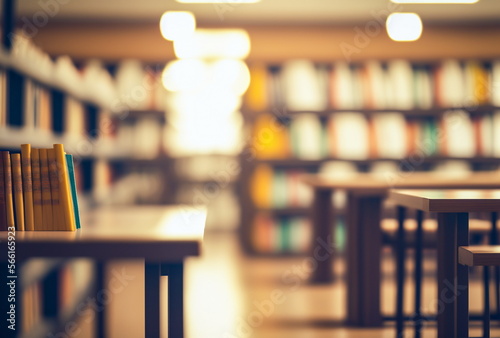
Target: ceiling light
x=177, y=24
x=404, y=26
x=184, y=75
x=214, y=43
x=228, y=2
x=435, y=1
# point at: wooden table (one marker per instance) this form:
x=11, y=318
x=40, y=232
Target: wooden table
x=365, y=194
x=162, y=236
x=452, y=207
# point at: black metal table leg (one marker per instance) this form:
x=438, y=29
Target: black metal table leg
x=175, y=273
x=462, y=284
x=152, y=300
x=400, y=271
x=418, y=272
x=486, y=312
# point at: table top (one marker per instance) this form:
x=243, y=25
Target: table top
x=446, y=200
x=155, y=233
x=370, y=183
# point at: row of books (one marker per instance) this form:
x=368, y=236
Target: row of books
x=291, y=234
x=385, y=135
x=275, y=188
x=134, y=86
x=38, y=190
x=287, y=234
x=93, y=83
x=398, y=84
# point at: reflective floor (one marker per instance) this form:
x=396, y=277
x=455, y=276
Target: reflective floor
x=229, y=295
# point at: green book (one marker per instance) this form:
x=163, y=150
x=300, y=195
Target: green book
x=284, y=244
x=72, y=184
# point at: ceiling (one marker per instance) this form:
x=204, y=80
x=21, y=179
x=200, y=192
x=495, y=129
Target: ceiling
x=267, y=12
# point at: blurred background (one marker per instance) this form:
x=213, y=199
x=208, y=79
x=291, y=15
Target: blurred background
x=227, y=103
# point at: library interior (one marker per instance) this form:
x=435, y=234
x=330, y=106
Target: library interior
x=249, y=168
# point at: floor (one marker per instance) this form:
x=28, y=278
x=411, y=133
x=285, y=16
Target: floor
x=229, y=295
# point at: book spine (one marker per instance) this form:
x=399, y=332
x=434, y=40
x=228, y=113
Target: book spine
x=17, y=183
x=46, y=195
x=3, y=206
x=57, y=219
x=74, y=194
x=64, y=188
x=9, y=202
x=37, y=189
x=27, y=186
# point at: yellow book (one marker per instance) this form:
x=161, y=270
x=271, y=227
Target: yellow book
x=64, y=188
x=57, y=210
x=256, y=95
x=261, y=183
x=37, y=189
x=27, y=186
x=17, y=184
x=46, y=195
x=270, y=139
x=9, y=203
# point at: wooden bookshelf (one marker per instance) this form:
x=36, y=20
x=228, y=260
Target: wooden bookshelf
x=423, y=119
x=416, y=112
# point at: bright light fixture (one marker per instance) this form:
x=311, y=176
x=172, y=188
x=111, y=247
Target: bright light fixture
x=404, y=26
x=214, y=43
x=228, y=2
x=184, y=75
x=177, y=24
x=435, y=1
x=231, y=76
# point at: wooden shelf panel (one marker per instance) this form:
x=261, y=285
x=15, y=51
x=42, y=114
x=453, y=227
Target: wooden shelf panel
x=416, y=112
x=287, y=211
x=296, y=162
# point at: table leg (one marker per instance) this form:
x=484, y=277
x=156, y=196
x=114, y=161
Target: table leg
x=364, y=240
x=462, y=286
x=322, y=223
x=175, y=273
x=419, y=243
x=452, y=280
x=152, y=300
x=400, y=271
x=100, y=325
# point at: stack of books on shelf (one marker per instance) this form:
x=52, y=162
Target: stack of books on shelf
x=276, y=188
x=38, y=190
x=301, y=85
x=390, y=135
x=285, y=234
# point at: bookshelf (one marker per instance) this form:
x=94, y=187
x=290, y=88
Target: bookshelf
x=374, y=116
x=40, y=107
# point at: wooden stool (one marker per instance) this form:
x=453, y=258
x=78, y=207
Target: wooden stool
x=482, y=255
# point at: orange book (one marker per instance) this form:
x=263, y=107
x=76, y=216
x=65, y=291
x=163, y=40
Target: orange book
x=9, y=201
x=57, y=212
x=27, y=186
x=3, y=206
x=47, y=223
x=37, y=189
x=17, y=184
x=372, y=138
